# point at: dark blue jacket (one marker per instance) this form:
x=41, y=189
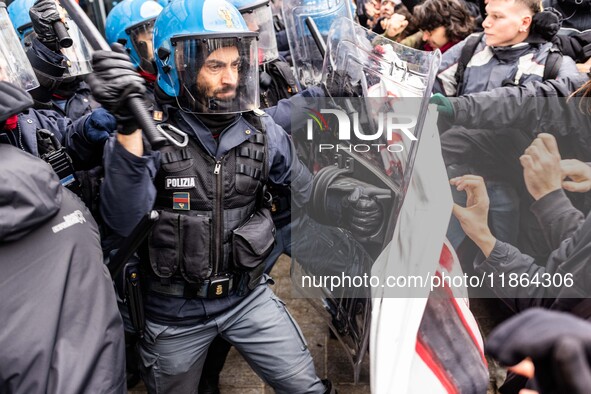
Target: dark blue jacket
x=81, y=103
x=71, y=134
x=128, y=192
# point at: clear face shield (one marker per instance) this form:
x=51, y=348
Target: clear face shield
x=14, y=65
x=78, y=57
x=141, y=39
x=217, y=74
x=259, y=18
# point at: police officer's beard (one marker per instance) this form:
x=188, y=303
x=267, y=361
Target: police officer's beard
x=213, y=102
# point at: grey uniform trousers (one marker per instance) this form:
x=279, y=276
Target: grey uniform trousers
x=260, y=328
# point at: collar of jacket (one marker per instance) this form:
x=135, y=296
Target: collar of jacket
x=238, y=131
x=513, y=52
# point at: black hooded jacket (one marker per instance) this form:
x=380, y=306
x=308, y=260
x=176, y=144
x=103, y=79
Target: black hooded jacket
x=61, y=329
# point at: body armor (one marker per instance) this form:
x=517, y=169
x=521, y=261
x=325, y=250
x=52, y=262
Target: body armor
x=213, y=228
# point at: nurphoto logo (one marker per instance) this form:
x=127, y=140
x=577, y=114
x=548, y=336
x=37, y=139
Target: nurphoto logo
x=389, y=124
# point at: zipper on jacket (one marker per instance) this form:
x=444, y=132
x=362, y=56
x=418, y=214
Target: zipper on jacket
x=179, y=240
x=218, y=226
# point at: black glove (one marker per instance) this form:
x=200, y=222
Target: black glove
x=13, y=100
x=559, y=345
x=339, y=84
x=43, y=15
x=114, y=80
x=545, y=25
x=364, y=213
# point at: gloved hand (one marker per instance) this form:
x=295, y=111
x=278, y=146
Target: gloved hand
x=339, y=84
x=114, y=80
x=364, y=213
x=13, y=100
x=545, y=25
x=559, y=345
x=99, y=126
x=444, y=105
x=44, y=14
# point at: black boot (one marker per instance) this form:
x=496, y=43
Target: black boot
x=131, y=360
x=328, y=387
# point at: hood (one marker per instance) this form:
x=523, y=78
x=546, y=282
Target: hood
x=30, y=193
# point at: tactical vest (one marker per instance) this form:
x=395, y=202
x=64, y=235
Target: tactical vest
x=212, y=223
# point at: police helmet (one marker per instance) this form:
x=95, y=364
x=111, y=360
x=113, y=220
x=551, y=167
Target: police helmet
x=206, y=57
x=14, y=65
x=78, y=57
x=131, y=23
x=259, y=18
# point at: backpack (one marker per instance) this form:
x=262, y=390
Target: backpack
x=277, y=82
x=551, y=68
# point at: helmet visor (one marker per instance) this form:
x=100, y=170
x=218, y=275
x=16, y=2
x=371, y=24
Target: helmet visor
x=78, y=57
x=141, y=39
x=217, y=74
x=260, y=19
x=14, y=65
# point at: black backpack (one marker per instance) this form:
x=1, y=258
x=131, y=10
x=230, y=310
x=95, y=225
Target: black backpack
x=553, y=61
x=277, y=82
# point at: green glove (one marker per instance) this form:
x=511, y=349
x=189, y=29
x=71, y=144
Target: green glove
x=444, y=105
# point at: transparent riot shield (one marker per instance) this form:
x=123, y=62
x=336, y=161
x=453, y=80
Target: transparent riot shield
x=14, y=65
x=360, y=142
x=306, y=56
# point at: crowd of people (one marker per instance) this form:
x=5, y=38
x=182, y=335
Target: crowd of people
x=190, y=116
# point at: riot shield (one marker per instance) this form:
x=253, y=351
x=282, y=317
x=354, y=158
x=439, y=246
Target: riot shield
x=14, y=65
x=305, y=54
x=361, y=143
x=78, y=54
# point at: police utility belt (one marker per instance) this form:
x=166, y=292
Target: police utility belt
x=215, y=287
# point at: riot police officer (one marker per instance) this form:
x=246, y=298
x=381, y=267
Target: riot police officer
x=66, y=120
x=131, y=23
x=276, y=78
x=42, y=132
x=203, y=263
x=60, y=70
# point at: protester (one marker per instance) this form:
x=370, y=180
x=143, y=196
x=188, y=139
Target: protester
x=61, y=330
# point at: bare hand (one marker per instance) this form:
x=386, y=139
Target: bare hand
x=525, y=368
x=394, y=25
x=474, y=217
x=584, y=67
x=541, y=166
x=371, y=9
x=579, y=174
